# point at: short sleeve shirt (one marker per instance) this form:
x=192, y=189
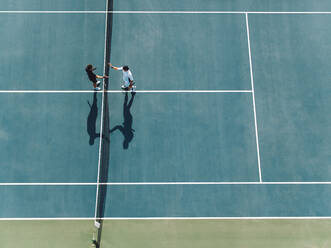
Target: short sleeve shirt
x=91, y=76
x=126, y=75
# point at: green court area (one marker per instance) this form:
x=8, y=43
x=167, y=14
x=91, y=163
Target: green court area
x=225, y=142
x=169, y=233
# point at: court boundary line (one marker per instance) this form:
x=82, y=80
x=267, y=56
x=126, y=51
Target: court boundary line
x=172, y=218
x=164, y=183
x=121, y=91
x=175, y=91
x=160, y=12
x=253, y=98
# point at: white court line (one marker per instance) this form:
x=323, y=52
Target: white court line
x=48, y=91
x=164, y=183
x=217, y=183
x=218, y=12
x=121, y=91
x=253, y=97
x=159, y=12
x=192, y=91
x=175, y=218
x=47, y=184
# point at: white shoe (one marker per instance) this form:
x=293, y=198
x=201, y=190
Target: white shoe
x=124, y=88
x=98, y=83
x=133, y=89
x=97, y=88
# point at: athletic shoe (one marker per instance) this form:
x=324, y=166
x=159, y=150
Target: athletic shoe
x=124, y=88
x=97, y=88
x=133, y=89
x=98, y=83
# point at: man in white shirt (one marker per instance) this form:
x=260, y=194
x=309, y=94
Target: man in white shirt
x=127, y=77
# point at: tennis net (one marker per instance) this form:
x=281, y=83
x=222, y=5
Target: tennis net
x=104, y=152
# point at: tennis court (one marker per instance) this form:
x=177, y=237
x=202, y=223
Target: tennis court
x=226, y=142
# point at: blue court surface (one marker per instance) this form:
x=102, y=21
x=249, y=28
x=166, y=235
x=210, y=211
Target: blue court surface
x=230, y=118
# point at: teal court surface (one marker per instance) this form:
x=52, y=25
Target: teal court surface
x=230, y=119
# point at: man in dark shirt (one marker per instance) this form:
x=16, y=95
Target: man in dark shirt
x=93, y=77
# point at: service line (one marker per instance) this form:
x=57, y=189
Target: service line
x=121, y=91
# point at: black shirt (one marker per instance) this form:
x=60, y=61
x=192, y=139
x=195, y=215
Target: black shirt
x=92, y=76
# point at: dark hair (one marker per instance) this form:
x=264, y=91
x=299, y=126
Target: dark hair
x=125, y=68
x=89, y=67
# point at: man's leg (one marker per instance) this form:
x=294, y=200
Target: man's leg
x=132, y=87
x=126, y=86
x=95, y=85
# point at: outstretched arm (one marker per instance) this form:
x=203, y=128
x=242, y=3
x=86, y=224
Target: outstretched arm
x=113, y=67
x=98, y=76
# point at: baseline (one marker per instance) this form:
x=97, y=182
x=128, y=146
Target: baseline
x=159, y=12
x=165, y=183
x=176, y=218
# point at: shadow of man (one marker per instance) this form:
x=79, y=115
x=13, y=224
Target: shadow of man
x=92, y=119
x=126, y=128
